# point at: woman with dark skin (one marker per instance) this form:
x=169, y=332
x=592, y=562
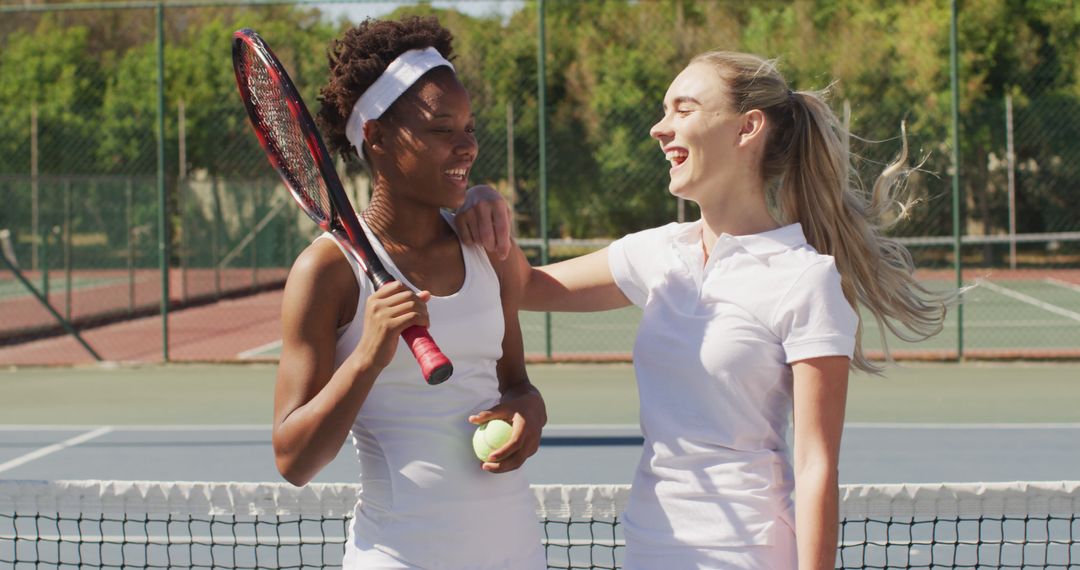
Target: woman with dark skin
x=393, y=99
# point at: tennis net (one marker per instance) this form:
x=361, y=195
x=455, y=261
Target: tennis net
x=126, y=524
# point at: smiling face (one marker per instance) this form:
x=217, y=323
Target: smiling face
x=427, y=145
x=699, y=134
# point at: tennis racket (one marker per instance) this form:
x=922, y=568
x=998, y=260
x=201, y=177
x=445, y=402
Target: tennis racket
x=292, y=142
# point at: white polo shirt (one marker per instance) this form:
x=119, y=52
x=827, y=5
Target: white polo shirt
x=712, y=359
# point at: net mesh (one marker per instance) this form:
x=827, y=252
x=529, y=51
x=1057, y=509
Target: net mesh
x=124, y=524
x=280, y=131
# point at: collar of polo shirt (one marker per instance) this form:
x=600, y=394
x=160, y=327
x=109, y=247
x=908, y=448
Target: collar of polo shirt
x=760, y=245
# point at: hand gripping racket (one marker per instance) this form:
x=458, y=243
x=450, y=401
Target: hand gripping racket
x=292, y=142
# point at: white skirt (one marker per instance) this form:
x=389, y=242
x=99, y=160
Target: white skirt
x=782, y=555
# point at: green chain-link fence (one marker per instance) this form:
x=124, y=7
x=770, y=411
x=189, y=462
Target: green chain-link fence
x=81, y=180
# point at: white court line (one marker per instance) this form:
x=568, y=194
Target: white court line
x=555, y=429
x=148, y=427
x=258, y=350
x=978, y=426
x=591, y=430
x=994, y=323
x=1032, y=301
x=1060, y=283
x=85, y=537
x=54, y=448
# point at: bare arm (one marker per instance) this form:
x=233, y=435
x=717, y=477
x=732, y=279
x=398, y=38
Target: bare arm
x=582, y=284
x=521, y=404
x=315, y=405
x=820, y=398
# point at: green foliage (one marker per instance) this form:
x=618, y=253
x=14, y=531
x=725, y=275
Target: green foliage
x=92, y=78
x=55, y=78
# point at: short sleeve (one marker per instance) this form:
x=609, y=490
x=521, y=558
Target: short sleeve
x=813, y=318
x=629, y=258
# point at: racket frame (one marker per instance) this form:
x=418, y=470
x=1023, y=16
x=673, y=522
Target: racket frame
x=341, y=221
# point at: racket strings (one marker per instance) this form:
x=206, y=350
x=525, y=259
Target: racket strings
x=284, y=135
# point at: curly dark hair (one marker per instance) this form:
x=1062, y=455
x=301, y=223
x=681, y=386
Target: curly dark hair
x=360, y=57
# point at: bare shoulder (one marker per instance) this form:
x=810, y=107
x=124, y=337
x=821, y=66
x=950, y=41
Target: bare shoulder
x=322, y=275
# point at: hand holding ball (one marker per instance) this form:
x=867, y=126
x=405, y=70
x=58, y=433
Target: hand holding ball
x=489, y=437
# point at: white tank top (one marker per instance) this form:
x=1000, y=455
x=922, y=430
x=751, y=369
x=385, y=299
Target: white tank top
x=424, y=498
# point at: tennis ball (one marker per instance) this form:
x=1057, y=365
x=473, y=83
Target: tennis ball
x=489, y=437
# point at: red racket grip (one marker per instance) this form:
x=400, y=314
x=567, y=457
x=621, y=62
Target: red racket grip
x=433, y=363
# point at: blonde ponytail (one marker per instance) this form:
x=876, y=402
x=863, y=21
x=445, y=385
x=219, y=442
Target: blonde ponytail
x=807, y=171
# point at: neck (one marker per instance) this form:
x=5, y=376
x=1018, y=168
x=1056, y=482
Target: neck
x=403, y=224
x=735, y=213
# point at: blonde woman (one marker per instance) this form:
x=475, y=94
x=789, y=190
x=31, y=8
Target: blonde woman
x=749, y=321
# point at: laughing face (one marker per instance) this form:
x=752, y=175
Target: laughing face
x=699, y=133
x=433, y=145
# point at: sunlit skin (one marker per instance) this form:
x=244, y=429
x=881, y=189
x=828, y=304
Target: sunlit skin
x=714, y=153
x=425, y=146
x=421, y=153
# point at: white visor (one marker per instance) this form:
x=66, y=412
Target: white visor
x=401, y=74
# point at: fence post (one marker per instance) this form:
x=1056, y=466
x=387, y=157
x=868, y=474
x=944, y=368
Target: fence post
x=954, y=83
x=67, y=237
x=163, y=218
x=35, y=211
x=510, y=177
x=1010, y=159
x=257, y=191
x=130, y=224
x=10, y=263
x=215, y=186
x=287, y=237
x=45, y=264
x=541, y=88
x=181, y=197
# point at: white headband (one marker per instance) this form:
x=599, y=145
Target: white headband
x=401, y=74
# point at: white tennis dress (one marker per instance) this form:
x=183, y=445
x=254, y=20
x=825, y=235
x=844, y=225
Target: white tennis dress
x=425, y=502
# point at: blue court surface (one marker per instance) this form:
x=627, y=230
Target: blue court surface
x=201, y=423
x=918, y=423
x=872, y=453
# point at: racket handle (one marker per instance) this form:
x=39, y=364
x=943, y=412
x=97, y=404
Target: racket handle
x=433, y=363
